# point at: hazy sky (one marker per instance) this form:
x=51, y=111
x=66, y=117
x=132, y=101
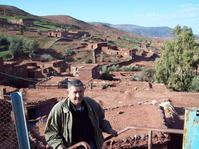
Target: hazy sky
x=148, y=13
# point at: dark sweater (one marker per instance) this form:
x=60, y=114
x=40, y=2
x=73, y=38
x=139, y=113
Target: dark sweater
x=82, y=129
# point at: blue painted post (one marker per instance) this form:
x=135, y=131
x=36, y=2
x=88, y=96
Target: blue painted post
x=20, y=120
x=191, y=129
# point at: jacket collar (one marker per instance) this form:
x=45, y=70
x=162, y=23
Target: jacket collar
x=66, y=104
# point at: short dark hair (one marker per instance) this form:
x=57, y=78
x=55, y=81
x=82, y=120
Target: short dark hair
x=75, y=82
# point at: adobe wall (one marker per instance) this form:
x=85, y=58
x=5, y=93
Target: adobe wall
x=2, y=20
x=125, y=52
x=14, y=73
x=110, y=51
x=56, y=34
x=86, y=72
x=53, y=82
x=69, y=34
x=28, y=70
x=77, y=34
x=16, y=21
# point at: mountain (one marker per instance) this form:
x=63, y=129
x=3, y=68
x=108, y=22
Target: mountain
x=160, y=32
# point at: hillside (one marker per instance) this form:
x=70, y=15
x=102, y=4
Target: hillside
x=6, y=10
x=68, y=20
x=97, y=28
x=59, y=22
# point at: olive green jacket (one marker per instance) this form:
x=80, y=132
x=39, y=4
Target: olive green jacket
x=58, y=130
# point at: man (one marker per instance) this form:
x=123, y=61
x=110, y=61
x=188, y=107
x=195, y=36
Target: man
x=76, y=118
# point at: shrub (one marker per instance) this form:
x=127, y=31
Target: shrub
x=69, y=52
x=69, y=59
x=114, y=68
x=7, y=57
x=88, y=61
x=46, y=58
x=147, y=75
x=106, y=74
x=131, y=68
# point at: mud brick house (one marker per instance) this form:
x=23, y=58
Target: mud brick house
x=58, y=34
x=86, y=71
x=56, y=67
x=45, y=69
x=30, y=70
x=110, y=50
x=113, y=50
x=77, y=34
x=126, y=52
x=11, y=72
x=34, y=69
x=97, y=46
x=27, y=21
x=69, y=34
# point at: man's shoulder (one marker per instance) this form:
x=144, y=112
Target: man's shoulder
x=91, y=101
x=88, y=99
x=60, y=105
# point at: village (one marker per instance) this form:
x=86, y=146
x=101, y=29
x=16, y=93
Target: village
x=117, y=97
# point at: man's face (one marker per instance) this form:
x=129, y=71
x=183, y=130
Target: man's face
x=76, y=94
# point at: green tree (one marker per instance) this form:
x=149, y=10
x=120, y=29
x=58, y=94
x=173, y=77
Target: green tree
x=16, y=46
x=4, y=43
x=30, y=47
x=178, y=61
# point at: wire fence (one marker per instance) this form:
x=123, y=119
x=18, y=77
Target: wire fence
x=8, y=138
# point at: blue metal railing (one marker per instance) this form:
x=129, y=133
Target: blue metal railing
x=191, y=129
x=20, y=120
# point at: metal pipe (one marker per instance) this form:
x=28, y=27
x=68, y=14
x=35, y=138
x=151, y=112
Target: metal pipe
x=175, y=131
x=82, y=143
x=20, y=121
x=150, y=139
